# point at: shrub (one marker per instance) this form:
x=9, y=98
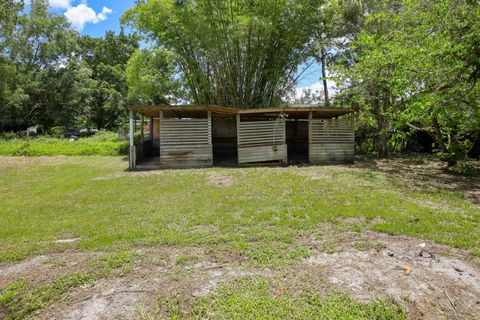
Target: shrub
x=10, y=135
x=463, y=169
x=56, y=132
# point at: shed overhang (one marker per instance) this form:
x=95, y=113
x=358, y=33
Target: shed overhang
x=198, y=111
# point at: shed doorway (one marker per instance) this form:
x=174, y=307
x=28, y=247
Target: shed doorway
x=297, y=141
x=224, y=140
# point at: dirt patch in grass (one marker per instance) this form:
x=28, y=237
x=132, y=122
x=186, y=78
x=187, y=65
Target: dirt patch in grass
x=130, y=174
x=425, y=174
x=161, y=276
x=312, y=173
x=443, y=282
x=7, y=162
x=44, y=268
x=220, y=180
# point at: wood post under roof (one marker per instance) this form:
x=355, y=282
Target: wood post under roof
x=131, y=142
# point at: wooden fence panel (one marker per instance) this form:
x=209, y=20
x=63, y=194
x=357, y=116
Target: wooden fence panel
x=186, y=143
x=261, y=141
x=331, y=140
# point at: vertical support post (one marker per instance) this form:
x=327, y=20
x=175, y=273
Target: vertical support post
x=352, y=115
x=209, y=116
x=142, y=138
x=210, y=129
x=141, y=128
x=151, y=129
x=284, y=128
x=160, y=136
x=310, y=140
x=132, y=142
x=238, y=138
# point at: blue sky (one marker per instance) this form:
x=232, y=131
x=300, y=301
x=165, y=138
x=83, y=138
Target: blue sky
x=95, y=17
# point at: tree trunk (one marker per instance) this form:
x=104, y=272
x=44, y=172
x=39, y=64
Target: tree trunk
x=323, y=59
x=441, y=142
x=381, y=119
x=438, y=134
x=382, y=135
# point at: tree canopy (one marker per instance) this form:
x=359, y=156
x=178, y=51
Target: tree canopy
x=413, y=67
x=233, y=53
x=408, y=67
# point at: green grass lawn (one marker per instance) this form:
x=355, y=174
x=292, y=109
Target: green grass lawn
x=93, y=199
x=103, y=144
x=259, y=213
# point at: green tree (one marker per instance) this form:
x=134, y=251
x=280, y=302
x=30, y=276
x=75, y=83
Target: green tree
x=152, y=78
x=233, y=53
x=107, y=58
x=38, y=46
x=413, y=66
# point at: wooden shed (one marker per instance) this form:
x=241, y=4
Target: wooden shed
x=190, y=136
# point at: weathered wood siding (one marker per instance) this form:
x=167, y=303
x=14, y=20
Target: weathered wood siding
x=331, y=140
x=186, y=143
x=261, y=141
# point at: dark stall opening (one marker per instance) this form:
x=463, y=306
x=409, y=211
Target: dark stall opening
x=224, y=140
x=297, y=141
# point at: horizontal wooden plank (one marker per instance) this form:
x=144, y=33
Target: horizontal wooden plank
x=185, y=136
x=186, y=156
x=325, y=136
x=260, y=143
x=261, y=123
x=184, y=126
x=185, y=130
x=184, y=146
x=332, y=140
x=262, y=154
x=331, y=152
x=261, y=129
x=331, y=145
x=185, y=120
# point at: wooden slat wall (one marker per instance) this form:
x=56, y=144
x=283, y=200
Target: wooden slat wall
x=186, y=143
x=331, y=140
x=261, y=141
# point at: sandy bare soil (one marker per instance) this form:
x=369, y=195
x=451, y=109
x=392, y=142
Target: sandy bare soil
x=429, y=280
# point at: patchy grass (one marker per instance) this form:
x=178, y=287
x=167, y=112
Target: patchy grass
x=104, y=144
x=260, y=215
x=256, y=299
x=20, y=300
x=262, y=219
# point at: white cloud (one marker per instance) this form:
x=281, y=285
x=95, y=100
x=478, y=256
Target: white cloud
x=103, y=15
x=62, y=4
x=315, y=89
x=80, y=15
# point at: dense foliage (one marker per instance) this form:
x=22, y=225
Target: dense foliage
x=410, y=68
x=51, y=76
x=414, y=66
x=233, y=53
